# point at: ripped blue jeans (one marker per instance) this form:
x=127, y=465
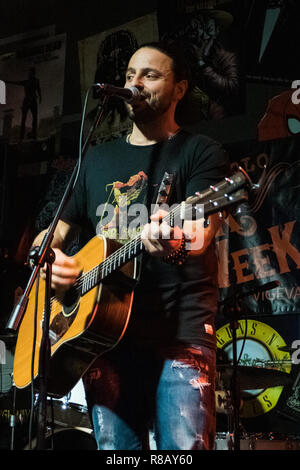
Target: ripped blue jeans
x=170, y=391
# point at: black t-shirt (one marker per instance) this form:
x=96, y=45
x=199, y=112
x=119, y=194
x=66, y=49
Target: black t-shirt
x=171, y=303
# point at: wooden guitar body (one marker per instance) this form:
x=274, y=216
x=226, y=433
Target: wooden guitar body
x=79, y=333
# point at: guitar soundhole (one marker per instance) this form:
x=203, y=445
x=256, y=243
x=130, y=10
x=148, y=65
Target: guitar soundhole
x=64, y=319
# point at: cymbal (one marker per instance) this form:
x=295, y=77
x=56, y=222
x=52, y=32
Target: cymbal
x=253, y=378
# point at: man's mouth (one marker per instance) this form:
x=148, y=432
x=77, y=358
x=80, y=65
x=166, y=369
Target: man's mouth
x=144, y=96
x=141, y=99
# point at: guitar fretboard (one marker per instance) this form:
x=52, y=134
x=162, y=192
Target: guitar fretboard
x=116, y=260
x=111, y=264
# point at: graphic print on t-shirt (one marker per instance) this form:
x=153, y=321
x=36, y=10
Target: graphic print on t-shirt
x=121, y=195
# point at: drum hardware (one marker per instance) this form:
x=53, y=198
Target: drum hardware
x=253, y=378
x=232, y=310
x=69, y=413
x=72, y=409
x=14, y=418
x=259, y=441
x=6, y=368
x=249, y=378
x=67, y=438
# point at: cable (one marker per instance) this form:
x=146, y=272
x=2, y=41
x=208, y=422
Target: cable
x=32, y=359
x=81, y=134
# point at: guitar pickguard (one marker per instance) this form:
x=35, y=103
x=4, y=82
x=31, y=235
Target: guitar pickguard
x=61, y=323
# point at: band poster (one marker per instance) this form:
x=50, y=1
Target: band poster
x=271, y=32
x=258, y=244
x=33, y=72
x=211, y=35
x=104, y=59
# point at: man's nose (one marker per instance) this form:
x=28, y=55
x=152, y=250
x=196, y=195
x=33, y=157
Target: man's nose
x=137, y=82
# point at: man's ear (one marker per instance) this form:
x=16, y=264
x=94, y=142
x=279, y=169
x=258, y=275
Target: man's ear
x=181, y=88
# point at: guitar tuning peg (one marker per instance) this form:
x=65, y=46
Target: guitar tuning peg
x=229, y=180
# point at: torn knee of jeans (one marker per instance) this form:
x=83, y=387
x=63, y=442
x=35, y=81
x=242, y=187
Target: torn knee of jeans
x=190, y=362
x=200, y=382
x=183, y=363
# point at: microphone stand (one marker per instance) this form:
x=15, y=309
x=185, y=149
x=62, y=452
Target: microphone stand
x=40, y=256
x=232, y=311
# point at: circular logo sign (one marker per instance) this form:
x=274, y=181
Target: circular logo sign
x=258, y=346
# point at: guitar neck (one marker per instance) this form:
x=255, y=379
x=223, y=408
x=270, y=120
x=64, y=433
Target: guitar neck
x=111, y=264
x=216, y=199
x=116, y=260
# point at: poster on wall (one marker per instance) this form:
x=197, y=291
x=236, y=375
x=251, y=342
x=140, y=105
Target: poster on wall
x=33, y=73
x=271, y=32
x=211, y=35
x=104, y=59
x=260, y=242
x=269, y=374
x=282, y=116
x=259, y=280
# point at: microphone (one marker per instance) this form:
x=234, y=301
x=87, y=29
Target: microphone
x=130, y=95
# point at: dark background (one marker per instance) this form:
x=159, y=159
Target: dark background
x=23, y=198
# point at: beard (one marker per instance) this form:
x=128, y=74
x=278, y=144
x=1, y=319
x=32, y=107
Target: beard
x=148, y=111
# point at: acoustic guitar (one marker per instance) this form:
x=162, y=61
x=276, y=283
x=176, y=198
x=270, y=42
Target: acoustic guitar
x=93, y=316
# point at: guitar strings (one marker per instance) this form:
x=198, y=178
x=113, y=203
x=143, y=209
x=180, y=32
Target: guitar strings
x=105, y=266
x=93, y=275
x=131, y=247
x=122, y=252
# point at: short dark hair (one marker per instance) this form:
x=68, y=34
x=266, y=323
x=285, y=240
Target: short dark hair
x=180, y=66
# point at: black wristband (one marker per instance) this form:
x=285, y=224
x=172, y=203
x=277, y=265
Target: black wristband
x=178, y=256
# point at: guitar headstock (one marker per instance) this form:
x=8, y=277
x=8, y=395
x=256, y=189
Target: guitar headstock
x=218, y=198
x=164, y=191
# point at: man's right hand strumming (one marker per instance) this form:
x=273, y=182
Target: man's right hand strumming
x=65, y=271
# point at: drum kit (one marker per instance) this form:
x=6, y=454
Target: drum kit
x=249, y=379
x=69, y=426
